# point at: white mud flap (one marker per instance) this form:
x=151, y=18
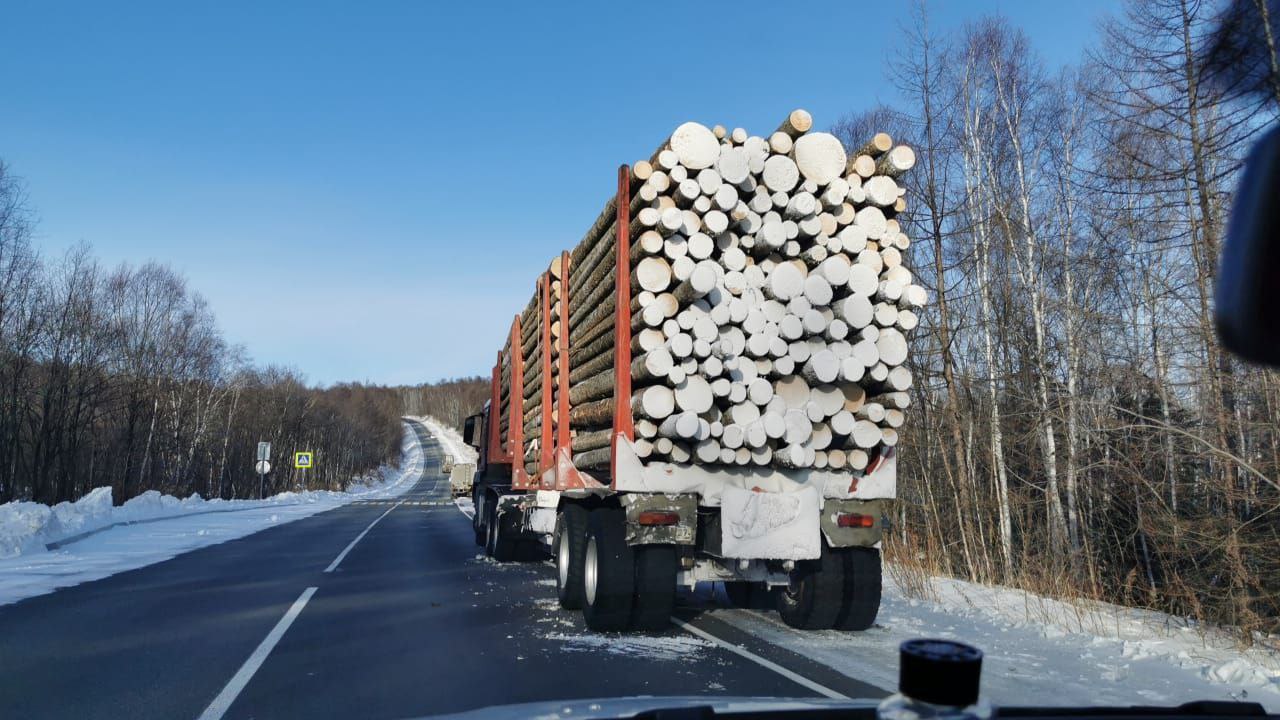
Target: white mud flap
x=542, y=521
x=770, y=525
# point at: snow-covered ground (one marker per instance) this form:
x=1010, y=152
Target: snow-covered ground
x=467, y=507
x=1039, y=651
x=1043, y=651
x=449, y=439
x=92, y=539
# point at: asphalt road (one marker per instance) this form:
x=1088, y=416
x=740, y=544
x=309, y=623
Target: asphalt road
x=377, y=609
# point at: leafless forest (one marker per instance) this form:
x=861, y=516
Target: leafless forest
x=119, y=377
x=1076, y=429
x=449, y=401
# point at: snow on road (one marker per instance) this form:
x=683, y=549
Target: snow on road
x=467, y=507
x=1042, y=651
x=449, y=439
x=1039, y=651
x=676, y=648
x=161, y=527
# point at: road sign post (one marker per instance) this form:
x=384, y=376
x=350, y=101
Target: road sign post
x=263, y=466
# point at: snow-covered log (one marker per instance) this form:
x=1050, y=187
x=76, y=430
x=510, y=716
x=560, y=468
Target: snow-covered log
x=772, y=303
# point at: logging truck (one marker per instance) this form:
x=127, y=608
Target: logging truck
x=708, y=387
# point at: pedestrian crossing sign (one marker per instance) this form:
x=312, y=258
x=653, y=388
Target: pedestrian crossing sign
x=302, y=459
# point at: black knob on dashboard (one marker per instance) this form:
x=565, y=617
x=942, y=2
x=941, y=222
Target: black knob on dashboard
x=942, y=672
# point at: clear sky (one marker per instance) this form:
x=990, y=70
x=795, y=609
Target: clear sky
x=367, y=190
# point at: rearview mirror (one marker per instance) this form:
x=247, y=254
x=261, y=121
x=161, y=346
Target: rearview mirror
x=1246, y=303
x=470, y=431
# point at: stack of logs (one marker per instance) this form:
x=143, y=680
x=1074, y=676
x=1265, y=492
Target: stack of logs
x=770, y=305
x=531, y=341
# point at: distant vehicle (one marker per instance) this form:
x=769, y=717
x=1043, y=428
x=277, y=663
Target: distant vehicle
x=461, y=476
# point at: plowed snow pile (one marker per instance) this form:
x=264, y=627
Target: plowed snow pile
x=1044, y=651
x=449, y=439
x=93, y=538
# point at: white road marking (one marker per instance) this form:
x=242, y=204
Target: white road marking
x=333, y=565
x=738, y=650
x=222, y=703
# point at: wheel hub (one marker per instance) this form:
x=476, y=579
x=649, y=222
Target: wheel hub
x=562, y=560
x=792, y=590
x=590, y=571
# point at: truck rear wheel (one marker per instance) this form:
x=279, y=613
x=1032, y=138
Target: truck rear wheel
x=861, y=602
x=815, y=596
x=655, y=586
x=477, y=519
x=608, y=572
x=501, y=544
x=570, y=550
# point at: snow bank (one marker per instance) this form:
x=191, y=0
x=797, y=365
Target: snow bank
x=27, y=527
x=1210, y=653
x=449, y=439
x=43, y=548
x=1043, y=651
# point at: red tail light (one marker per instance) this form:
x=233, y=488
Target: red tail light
x=658, y=517
x=854, y=520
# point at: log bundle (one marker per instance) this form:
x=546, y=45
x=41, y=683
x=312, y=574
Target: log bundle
x=770, y=305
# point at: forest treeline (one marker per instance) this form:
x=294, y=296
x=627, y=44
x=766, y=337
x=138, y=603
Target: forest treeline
x=1076, y=427
x=449, y=401
x=119, y=377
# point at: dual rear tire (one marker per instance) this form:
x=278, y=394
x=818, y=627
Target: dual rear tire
x=624, y=587
x=840, y=590
x=569, y=547
x=502, y=541
x=618, y=586
x=477, y=518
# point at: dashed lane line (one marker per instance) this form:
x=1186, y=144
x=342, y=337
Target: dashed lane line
x=406, y=503
x=334, y=565
x=218, y=708
x=222, y=703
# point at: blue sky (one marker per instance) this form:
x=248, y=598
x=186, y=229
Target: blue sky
x=366, y=191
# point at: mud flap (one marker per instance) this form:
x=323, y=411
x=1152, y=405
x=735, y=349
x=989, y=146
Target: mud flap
x=770, y=525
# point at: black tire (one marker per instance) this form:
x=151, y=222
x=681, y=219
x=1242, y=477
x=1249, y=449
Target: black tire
x=747, y=595
x=502, y=544
x=608, y=572
x=570, y=549
x=477, y=519
x=531, y=550
x=656, y=567
x=861, y=601
x=815, y=596
x=489, y=524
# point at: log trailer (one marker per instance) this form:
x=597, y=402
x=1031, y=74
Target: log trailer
x=624, y=531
